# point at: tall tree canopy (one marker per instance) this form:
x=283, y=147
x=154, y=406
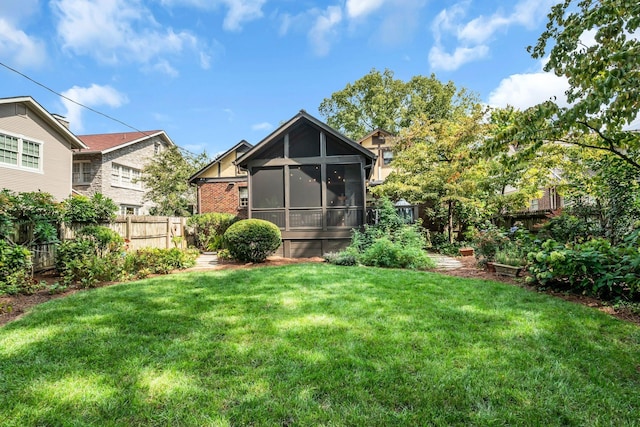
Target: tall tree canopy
x=596, y=46
x=165, y=178
x=378, y=100
x=436, y=162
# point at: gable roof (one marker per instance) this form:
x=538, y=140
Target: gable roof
x=107, y=142
x=69, y=136
x=219, y=158
x=303, y=115
x=374, y=132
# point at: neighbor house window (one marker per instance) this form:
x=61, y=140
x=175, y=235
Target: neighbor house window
x=535, y=203
x=243, y=194
x=124, y=176
x=82, y=172
x=157, y=148
x=129, y=210
x=387, y=157
x=19, y=152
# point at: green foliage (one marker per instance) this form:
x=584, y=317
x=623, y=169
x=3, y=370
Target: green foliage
x=89, y=210
x=594, y=267
x=166, y=179
x=209, y=229
x=389, y=243
x=565, y=228
x=252, y=240
x=436, y=164
x=486, y=244
x=603, y=78
x=346, y=257
x=159, y=261
x=95, y=255
x=379, y=101
x=29, y=218
x=15, y=269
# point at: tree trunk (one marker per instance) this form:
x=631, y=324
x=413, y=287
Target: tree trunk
x=450, y=222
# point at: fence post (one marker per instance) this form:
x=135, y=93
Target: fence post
x=168, y=246
x=128, y=229
x=183, y=233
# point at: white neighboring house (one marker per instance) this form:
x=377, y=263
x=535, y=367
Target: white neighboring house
x=112, y=164
x=35, y=148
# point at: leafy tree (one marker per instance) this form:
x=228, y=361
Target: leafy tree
x=378, y=100
x=516, y=170
x=165, y=177
x=436, y=163
x=604, y=78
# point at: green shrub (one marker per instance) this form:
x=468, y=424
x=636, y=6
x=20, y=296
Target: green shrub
x=594, y=267
x=388, y=254
x=15, y=269
x=209, y=229
x=346, y=257
x=94, y=209
x=252, y=240
x=159, y=261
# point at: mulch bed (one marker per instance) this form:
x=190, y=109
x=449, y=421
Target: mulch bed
x=12, y=307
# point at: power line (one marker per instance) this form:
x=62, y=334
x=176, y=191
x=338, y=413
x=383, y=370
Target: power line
x=82, y=105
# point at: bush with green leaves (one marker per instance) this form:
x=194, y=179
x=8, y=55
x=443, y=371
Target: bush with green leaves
x=89, y=210
x=15, y=269
x=159, y=261
x=209, y=229
x=594, y=267
x=389, y=243
x=95, y=255
x=252, y=240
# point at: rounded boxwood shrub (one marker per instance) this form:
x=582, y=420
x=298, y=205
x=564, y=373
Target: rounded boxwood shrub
x=252, y=240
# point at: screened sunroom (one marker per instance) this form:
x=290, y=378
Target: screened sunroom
x=310, y=181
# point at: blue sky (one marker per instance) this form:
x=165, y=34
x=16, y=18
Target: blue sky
x=213, y=72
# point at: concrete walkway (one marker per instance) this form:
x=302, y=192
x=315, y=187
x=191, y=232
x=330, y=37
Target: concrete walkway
x=209, y=260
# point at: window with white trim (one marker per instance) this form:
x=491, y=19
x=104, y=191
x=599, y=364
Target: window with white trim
x=243, y=194
x=19, y=152
x=82, y=172
x=129, y=210
x=387, y=157
x=124, y=176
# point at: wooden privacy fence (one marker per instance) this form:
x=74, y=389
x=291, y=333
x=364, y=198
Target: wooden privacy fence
x=138, y=231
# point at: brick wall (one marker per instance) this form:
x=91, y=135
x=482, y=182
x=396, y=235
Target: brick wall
x=220, y=197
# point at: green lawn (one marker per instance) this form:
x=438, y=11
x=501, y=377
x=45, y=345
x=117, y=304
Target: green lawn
x=315, y=345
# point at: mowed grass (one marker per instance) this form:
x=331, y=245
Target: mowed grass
x=317, y=345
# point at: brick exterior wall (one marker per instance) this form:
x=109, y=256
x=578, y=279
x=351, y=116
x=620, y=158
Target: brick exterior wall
x=220, y=197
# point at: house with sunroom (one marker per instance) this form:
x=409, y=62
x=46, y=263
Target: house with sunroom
x=112, y=164
x=35, y=148
x=309, y=180
x=221, y=186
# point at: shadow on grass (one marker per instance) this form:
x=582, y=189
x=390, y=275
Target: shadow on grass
x=317, y=344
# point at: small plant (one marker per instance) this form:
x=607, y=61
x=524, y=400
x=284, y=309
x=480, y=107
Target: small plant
x=487, y=243
x=252, y=240
x=346, y=257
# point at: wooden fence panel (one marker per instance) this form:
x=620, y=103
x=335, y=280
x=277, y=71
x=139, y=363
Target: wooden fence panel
x=138, y=231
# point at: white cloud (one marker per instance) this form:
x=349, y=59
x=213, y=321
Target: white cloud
x=442, y=60
x=114, y=31
x=264, y=126
x=526, y=90
x=239, y=11
x=324, y=30
x=22, y=49
x=359, y=8
x=163, y=66
x=474, y=36
x=92, y=96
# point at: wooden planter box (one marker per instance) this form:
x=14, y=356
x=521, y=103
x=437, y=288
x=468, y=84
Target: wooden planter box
x=507, y=270
x=466, y=251
x=491, y=268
